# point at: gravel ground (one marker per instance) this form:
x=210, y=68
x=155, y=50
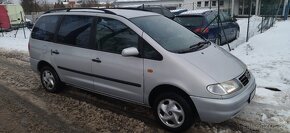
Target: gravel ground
x=30, y=108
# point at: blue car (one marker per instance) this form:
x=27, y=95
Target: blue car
x=199, y=21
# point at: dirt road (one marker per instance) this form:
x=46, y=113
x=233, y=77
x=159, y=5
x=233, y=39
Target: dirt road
x=26, y=107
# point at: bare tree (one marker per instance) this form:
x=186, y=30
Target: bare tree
x=44, y=5
x=90, y=3
x=30, y=6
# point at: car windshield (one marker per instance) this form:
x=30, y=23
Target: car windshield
x=194, y=21
x=169, y=34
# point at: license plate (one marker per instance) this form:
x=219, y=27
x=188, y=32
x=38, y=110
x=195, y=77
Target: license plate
x=252, y=96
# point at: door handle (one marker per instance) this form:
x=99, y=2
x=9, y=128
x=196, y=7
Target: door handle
x=54, y=52
x=97, y=60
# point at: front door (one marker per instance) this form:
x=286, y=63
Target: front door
x=114, y=74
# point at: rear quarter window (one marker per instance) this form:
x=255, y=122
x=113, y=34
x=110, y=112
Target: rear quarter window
x=44, y=28
x=190, y=20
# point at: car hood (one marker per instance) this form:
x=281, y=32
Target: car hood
x=216, y=62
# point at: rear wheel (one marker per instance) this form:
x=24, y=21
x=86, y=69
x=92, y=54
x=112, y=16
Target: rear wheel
x=49, y=79
x=173, y=112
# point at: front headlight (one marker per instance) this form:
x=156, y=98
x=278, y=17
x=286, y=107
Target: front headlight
x=225, y=87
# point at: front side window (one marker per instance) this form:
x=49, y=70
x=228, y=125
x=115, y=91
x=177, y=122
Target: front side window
x=44, y=28
x=75, y=31
x=167, y=33
x=113, y=36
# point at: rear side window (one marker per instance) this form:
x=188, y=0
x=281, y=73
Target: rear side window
x=190, y=20
x=44, y=29
x=75, y=31
x=211, y=17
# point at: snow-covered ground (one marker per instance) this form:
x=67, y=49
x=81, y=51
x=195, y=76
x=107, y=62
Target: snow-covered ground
x=9, y=42
x=268, y=58
x=267, y=55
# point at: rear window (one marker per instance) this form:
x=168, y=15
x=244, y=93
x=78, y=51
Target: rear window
x=190, y=20
x=44, y=28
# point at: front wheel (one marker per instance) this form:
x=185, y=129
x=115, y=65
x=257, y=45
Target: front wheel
x=173, y=112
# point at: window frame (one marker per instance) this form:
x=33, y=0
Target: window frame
x=222, y=3
x=206, y=3
x=91, y=46
x=55, y=30
x=214, y=3
x=94, y=39
x=198, y=4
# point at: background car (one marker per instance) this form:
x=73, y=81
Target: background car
x=203, y=22
x=178, y=11
x=154, y=8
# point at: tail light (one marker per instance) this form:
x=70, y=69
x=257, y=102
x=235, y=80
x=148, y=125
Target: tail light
x=201, y=30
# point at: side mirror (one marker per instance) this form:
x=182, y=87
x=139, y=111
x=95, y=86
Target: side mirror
x=131, y=51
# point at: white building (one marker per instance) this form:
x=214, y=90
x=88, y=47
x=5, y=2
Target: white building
x=234, y=7
x=171, y=4
x=240, y=7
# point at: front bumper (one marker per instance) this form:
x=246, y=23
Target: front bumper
x=219, y=110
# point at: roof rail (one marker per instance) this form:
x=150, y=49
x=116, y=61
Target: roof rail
x=70, y=9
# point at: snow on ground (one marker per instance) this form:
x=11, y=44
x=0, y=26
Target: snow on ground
x=9, y=42
x=267, y=56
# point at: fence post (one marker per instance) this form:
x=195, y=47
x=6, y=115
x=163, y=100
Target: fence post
x=262, y=25
x=249, y=16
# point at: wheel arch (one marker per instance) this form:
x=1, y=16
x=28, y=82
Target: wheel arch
x=42, y=63
x=171, y=88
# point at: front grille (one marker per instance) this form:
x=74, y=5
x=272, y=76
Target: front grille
x=244, y=79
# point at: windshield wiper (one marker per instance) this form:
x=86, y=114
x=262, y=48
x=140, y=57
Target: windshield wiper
x=198, y=45
x=193, y=47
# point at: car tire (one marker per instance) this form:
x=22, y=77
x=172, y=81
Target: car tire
x=173, y=112
x=50, y=80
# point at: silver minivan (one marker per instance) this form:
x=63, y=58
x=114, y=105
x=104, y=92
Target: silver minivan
x=144, y=58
